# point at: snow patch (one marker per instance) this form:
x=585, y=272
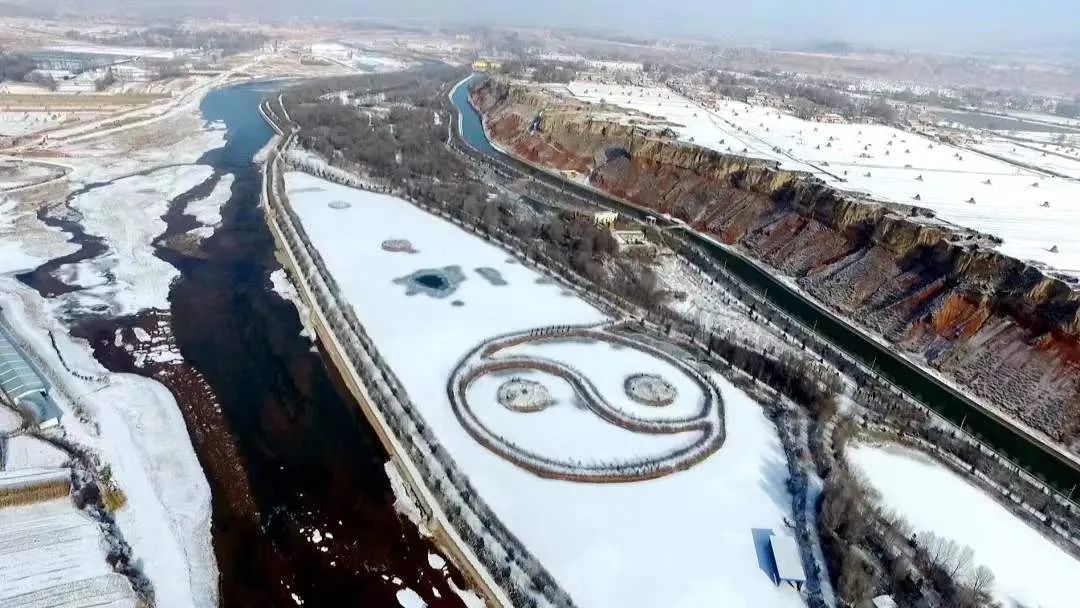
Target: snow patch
x=933, y=498
x=283, y=286
x=407, y=598
x=436, y=561
x=404, y=503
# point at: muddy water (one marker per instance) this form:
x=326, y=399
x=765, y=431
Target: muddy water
x=302, y=506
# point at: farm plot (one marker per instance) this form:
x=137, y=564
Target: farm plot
x=1033, y=214
x=53, y=555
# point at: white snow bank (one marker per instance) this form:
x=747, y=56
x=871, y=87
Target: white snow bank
x=280, y=283
x=404, y=503
x=407, y=598
x=207, y=210
x=1029, y=569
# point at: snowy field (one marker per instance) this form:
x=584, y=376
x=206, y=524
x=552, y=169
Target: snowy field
x=884, y=162
x=686, y=539
x=1064, y=160
x=19, y=123
x=1048, y=118
x=1029, y=570
x=357, y=59
x=1068, y=143
x=51, y=555
x=119, y=51
x=17, y=173
x=26, y=452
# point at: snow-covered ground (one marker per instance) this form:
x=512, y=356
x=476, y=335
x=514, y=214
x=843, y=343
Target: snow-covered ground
x=1057, y=140
x=53, y=555
x=712, y=306
x=17, y=173
x=89, y=48
x=26, y=452
x=1048, y=118
x=357, y=59
x=9, y=420
x=686, y=539
x=15, y=124
x=1029, y=569
x=25, y=242
x=280, y=283
x=884, y=162
x=1051, y=157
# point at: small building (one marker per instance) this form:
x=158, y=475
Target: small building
x=605, y=219
x=788, y=559
x=485, y=65
x=24, y=386
x=881, y=601
x=630, y=239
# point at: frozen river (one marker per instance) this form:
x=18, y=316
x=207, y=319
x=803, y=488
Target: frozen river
x=303, y=510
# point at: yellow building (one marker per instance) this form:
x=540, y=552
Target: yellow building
x=483, y=65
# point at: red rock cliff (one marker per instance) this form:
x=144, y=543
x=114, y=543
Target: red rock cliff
x=996, y=325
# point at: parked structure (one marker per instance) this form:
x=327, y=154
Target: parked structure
x=789, y=568
x=24, y=386
x=604, y=219
x=881, y=601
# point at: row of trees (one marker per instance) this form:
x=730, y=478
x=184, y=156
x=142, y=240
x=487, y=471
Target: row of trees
x=870, y=551
x=227, y=41
x=15, y=66
x=1068, y=108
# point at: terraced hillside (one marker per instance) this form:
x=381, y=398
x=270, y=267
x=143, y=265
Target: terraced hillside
x=1000, y=327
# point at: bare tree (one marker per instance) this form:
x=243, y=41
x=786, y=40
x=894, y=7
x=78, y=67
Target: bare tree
x=980, y=584
x=856, y=579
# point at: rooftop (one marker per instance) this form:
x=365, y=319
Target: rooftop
x=788, y=558
x=17, y=376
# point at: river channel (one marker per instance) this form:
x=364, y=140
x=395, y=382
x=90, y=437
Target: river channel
x=303, y=511
x=1033, y=457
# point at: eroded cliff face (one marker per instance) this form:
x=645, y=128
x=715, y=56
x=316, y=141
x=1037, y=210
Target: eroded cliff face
x=998, y=326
